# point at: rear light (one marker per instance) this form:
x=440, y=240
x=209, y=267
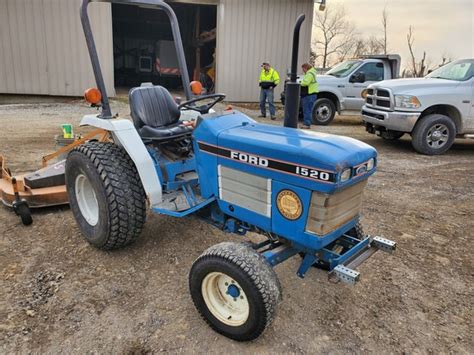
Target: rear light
x=93, y=96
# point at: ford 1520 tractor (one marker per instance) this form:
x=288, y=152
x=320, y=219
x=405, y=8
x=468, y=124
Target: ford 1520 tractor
x=301, y=190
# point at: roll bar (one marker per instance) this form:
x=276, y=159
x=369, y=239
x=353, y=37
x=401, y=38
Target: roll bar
x=157, y=4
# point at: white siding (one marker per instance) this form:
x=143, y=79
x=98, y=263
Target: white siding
x=253, y=31
x=43, y=51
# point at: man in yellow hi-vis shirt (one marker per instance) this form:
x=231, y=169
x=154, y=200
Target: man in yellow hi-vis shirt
x=309, y=90
x=269, y=79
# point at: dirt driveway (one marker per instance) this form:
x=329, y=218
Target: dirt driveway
x=58, y=294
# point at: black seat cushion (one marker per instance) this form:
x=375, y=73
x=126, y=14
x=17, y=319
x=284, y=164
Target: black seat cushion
x=162, y=133
x=155, y=114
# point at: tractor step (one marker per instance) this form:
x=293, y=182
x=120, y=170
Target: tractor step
x=189, y=176
x=176, y=201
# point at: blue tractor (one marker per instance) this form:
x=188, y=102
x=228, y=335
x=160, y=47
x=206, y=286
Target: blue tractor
x=301, y=190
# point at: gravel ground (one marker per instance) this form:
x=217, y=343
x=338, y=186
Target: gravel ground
x=58, y=294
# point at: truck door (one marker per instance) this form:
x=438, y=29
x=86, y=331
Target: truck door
x=371, y=72
x=470, y=120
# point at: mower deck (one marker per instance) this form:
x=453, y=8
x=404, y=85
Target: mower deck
x=43, y=188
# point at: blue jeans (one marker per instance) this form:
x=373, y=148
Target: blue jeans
x=308, y=104
x=267, y=94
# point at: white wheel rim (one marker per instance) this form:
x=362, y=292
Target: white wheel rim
x=225, y=299
x=85, y=196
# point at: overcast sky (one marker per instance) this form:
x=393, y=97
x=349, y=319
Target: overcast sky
x=440, y=26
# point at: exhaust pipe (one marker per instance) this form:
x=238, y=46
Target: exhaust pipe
x=293, y=89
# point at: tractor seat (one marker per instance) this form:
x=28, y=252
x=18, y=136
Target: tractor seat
x=155, y=114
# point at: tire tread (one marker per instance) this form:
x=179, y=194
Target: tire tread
x=126, y=199
x=257, y=269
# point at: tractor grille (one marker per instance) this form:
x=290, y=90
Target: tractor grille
x=379, y=98
x=330, y=211
x=245, y=190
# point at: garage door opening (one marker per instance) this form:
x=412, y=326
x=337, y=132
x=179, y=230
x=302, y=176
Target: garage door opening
x=144, y=50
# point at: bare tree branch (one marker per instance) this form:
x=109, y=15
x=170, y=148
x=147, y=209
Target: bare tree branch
x=336, y=36
x=385, y=26
x=410, y=42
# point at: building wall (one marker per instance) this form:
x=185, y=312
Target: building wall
x=43, y=51
x=253, y=31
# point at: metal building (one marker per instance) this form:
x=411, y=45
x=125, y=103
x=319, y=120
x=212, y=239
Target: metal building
x=42, y=49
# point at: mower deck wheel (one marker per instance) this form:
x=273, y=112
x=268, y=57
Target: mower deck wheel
x=24, y=212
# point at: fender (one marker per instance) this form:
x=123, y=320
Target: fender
x=126, y=136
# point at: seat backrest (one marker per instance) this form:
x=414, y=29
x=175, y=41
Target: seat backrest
x=152, y=106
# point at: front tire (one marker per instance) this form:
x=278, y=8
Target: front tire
x=392, y=135
x=324, y=112
x=106, y=194
x=433, y=134
x=235, y=290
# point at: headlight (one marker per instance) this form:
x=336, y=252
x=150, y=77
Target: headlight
x=407, y=101
x=370, y=164
x=364, y=93
x=346, y=175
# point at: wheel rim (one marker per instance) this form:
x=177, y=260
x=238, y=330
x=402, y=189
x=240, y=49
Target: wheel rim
x=86, y=199
x=225, y=299
x=323, y=113
x=437, y=136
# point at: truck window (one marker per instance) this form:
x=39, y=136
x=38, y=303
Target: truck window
x=372, y=71
x=459, y=70
x=343, y=69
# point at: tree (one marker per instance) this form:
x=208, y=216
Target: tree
x=336, y=35
x=418, y=68
x=385, y=26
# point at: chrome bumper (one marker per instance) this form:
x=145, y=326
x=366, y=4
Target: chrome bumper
x=391, y=120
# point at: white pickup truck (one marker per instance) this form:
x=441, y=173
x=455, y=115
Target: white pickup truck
x=434, y=110
x=341, y=87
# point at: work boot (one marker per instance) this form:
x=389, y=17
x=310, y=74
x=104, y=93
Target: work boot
x=305, y=127
x=262, y=116
x=273, y=118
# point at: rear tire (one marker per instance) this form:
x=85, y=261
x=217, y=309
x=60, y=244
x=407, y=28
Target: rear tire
x=324, y=112
x=106, y=194
x=235, y=290
x=433, y=134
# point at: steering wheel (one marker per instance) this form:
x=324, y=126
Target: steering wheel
x=202, y=109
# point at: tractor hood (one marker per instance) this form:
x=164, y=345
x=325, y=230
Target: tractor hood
x=316, y=158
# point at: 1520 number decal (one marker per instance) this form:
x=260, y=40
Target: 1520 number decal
x=314, y=174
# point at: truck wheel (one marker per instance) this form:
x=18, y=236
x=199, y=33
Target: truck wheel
x=235, y=290
x=392, y=135
x=323, y=112
x=433, y=134
x=106, y=194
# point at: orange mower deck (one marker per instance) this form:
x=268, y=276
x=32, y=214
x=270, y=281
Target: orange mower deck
x=44, y=187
